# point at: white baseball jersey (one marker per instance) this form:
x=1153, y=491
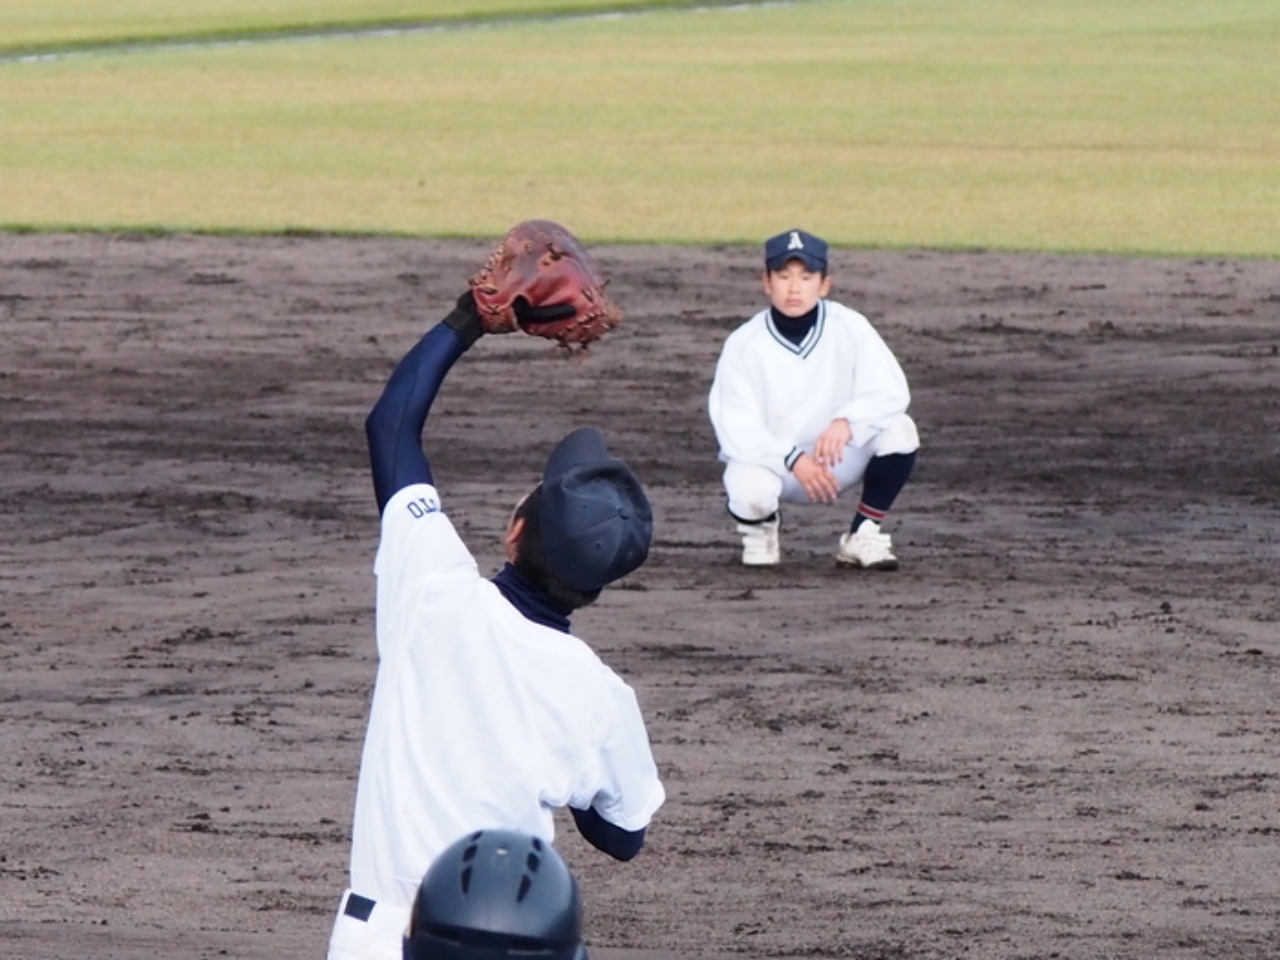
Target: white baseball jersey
x=771, y=397
x=480, y=717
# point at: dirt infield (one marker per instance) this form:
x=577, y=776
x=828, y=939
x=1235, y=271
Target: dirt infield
x=1054, y=733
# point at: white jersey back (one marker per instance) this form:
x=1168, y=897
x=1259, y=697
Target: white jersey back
x=480, y=717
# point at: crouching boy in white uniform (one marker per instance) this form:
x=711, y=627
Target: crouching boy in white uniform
x=807, y=402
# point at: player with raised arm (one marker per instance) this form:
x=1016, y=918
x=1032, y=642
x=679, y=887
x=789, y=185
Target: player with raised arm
x=487, y=712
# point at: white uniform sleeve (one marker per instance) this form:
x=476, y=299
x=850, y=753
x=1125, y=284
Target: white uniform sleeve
x=880, y=391
x=737, y=413
x=418, y=544
x=623, y=787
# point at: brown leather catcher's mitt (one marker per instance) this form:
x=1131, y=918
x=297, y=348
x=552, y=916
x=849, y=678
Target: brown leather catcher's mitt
x=541, y=280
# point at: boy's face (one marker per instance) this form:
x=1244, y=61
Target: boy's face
x=795, y=290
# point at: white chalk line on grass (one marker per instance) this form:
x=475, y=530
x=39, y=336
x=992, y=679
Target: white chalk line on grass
x=338, y=32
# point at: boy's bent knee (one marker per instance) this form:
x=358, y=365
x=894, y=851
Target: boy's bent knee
x=753, y=491
x=900, y=436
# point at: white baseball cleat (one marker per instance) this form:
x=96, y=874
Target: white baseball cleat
x=868, y=548
x=760, y=546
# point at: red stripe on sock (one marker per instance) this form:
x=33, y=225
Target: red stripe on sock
x=871, y=513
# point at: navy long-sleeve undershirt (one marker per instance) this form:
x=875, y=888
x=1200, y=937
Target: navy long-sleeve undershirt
x=394, y=425
x=605, y=836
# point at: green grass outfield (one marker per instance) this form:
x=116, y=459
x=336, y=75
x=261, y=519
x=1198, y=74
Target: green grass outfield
x=42, y=25
x=1147, y=127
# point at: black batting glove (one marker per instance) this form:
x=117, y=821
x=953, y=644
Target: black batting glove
x=465, y=321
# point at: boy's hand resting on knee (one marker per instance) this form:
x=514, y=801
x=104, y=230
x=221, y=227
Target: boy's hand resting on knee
x=818, y=481
x=829, y=448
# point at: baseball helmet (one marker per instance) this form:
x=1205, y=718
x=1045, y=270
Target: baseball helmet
x=497, y=895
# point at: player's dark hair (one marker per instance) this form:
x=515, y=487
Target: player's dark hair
x=531, y=558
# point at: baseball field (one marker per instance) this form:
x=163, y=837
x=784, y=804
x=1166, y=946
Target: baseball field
x=1053, y=734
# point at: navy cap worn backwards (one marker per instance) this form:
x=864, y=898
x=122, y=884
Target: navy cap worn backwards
x=595, y=518
x=796, y=245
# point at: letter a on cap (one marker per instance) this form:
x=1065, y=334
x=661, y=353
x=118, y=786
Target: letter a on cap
x=795, y=243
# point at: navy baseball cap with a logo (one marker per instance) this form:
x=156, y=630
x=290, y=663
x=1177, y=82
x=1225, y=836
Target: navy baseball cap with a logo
x=596, y=520
x=796, y=245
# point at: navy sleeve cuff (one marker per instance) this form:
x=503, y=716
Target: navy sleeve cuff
x=605, y=836
x=464, y=320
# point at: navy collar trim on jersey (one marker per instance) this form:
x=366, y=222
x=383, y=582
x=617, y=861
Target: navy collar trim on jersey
x=532, y=603
x=809, y=341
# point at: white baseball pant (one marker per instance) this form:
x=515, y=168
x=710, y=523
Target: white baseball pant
x=368, y=930
x=755, y=491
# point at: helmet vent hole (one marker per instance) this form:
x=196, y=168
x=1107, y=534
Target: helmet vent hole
x=525, y=884
x=466, y=879
x=532, y=862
